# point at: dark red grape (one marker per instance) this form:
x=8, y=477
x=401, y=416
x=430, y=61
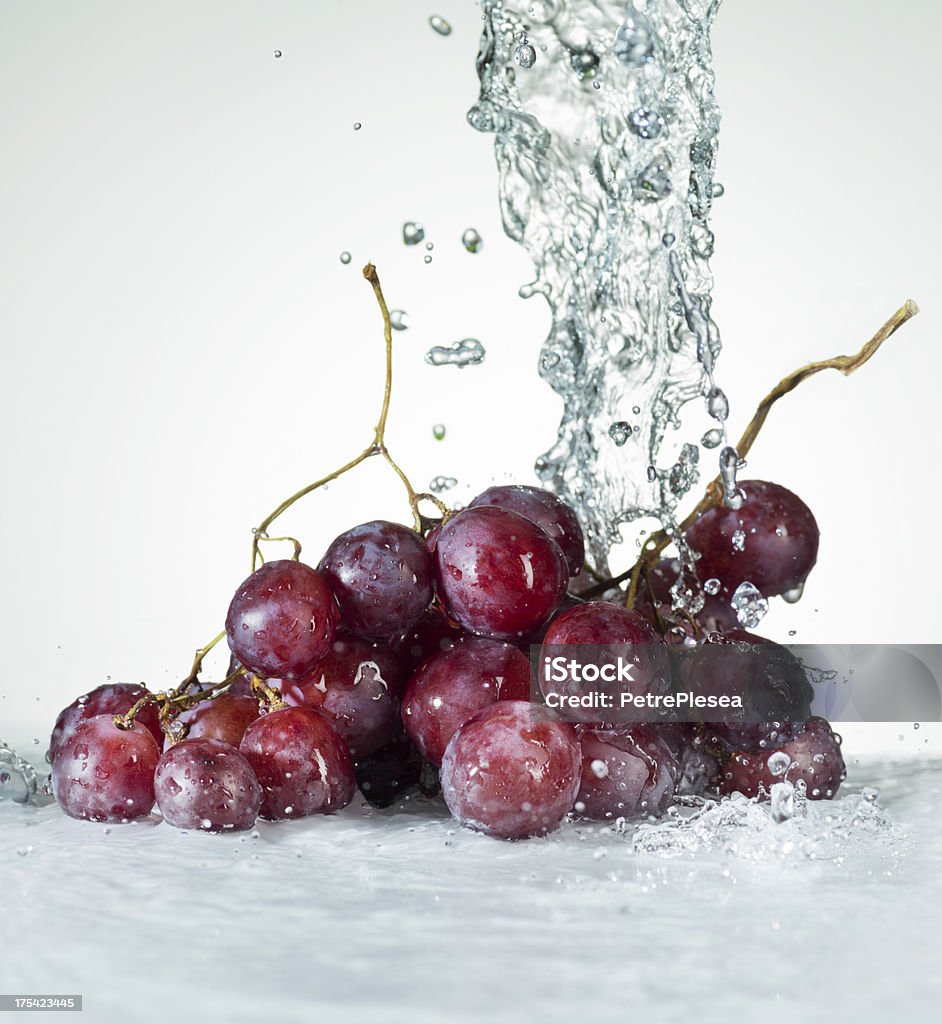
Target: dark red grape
x=431, y=634
x=454, y=685
x=390, y=773
x=813, y=757
x=717, y=612
x=207, y=784
x=302, y=765
x=381, y=574
x=626, y=773
x=104, y=773
x=770, y=680
x=606, y=633
x=226, y=718
x=545, y=509
x=357, y=688
x=282, y=620
x=499, y=575
x=771, y=542
x=511, y=771
x=109, y=699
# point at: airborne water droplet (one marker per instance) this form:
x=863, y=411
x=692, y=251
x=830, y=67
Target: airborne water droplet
x=634, y=40
x=412, y=232
x=442, y=27
x=471, y=240
x=619, y=432
x=345, y=257
x=524, y=55
x=438, y=431
x=467, y=352
x=749, y=605
x=441, y=483
x=712, y=438
x=399, y=320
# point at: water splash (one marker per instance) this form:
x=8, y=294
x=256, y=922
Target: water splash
x=605, y=147
x=19, y=780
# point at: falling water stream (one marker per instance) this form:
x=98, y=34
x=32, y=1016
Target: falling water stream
x=605, y=127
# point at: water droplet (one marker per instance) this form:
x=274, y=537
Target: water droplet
x=438, y=431
x=718, y=190
x=749, y=605
x=645, y=123
x=599, y=768
x=471, y=240
x=412, y=232
x=524, y=55
x=712, y=586
x=794, y=596
x=596, y=85
x=441, y=483
x=712, y=438
x=619, y=432
x=399, y=320
x=652, y=474
x=718, y=404
x=276, y=54
x=779, y=762
x=654, y=181
x=442, y=27
x=915, y=725
x=357, y=126
x=345, y=257
x=467, y=352
x=584, y=62
x=430, y=246
x=634, y=40
x=738, y=540
x=668, y=239
x=428, y=259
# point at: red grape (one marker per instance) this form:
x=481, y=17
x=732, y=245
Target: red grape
x=226, y=718
x=381, y=574
x=282, y=620
x=357, y=688
x=454, y=685
x=499, y=575
x=511, y=771
x=303, y=766
x=545, y=509
x=607, y=633
x=626, y=773
x=717, y=612
x=109, y=699
x=207, y=784
x=812, y=756
x=104, y=773
x=771, y=541
x=431, y=634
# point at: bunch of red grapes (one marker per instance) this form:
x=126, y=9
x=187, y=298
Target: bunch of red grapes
x=399, y=663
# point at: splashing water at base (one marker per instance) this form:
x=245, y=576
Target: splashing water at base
x=605, y=146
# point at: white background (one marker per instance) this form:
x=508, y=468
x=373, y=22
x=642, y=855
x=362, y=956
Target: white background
x=182, y=346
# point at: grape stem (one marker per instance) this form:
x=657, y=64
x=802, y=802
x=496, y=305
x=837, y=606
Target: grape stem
x=376, y=447
x=713, y=495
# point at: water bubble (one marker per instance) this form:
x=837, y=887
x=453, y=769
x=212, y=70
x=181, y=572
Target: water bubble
x=467, y=352
x=738, y=540
x=634, y=40
x=712, y=438
x=442, y=27
x=438, y=431
x=471, y=240
x=357, y=126
x=276, y=54
x=345, y=257
x=412, y=232
x=645, y=123
x=441, y=483
x=652, y=474
x=749, y=605
x=524, y=55
x=779, y=763
x=668, y=239
x=399, y=320
x=712, y=586
x=619, y=432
